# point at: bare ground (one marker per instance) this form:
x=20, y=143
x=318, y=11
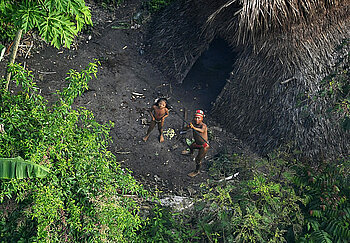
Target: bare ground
x=125, y=70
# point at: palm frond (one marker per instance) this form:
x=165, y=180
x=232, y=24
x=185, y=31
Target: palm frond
x=18, y=168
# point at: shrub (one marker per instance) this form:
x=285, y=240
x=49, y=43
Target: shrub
x=86, y=195
x=326, y=195
x=163, y=225
x=254, y=208
x=7, y=30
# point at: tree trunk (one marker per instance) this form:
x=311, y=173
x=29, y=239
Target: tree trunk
x=13, y=56
x=2, y=51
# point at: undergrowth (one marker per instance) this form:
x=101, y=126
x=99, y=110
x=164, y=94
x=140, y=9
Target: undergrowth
x=276, y=199
x=326, y=195
x=253, y=204
x=86, y=196
x=336, y=86
x=7, y=30
x=164, y=225
x=109, y=3
x=157, y=5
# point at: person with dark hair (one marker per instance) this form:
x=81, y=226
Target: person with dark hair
x=200, y=135
x=159, y=111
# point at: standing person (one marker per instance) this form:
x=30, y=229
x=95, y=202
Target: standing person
x=200, y=135
x=159, y=111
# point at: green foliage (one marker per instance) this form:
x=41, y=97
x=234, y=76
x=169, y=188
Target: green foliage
x=271, y=200
x=326, y=195
x=223, y=165
x=17, y=168
x=254, y=208
x=109, y=4
x=336, y=86
x=271, y=205
x=57, y=21
x=7, y=32
x=15, y=225
x=165, y=226
x=86, y=195
x=156, y=5
x=78, y=83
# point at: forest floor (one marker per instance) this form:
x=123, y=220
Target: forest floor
x=126, y=86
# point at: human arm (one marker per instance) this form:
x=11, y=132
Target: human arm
x=151, y=113
x=200, y=129
x=185, y=129
x=166, y=114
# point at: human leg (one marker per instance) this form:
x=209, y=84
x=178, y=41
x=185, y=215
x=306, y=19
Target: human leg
x=186, y=152
x=200, y=156
x=160, y=128
x=150, y=129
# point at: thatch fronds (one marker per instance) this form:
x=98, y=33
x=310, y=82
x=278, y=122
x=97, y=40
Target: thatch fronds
x=274, y=98
x=174, y=40
x=289, y=46
x=258, y=18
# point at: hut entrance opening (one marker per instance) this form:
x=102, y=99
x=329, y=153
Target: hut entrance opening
x=208, y=75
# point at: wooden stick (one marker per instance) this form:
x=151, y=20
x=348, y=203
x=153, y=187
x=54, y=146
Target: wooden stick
x=185, y=118
x=46, y=72
x=13, y=57
x=30, y=48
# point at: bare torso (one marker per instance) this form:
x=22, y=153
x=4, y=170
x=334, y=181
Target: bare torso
x=199, y=136
x=159, y=113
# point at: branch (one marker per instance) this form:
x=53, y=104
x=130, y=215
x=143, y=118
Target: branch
x=13, y=57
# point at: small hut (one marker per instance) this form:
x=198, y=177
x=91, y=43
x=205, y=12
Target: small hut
x=285, y=49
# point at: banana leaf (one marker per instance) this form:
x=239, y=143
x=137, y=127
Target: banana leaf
x=18, y=168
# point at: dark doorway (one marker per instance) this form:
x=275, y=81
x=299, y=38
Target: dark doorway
x=208, y=75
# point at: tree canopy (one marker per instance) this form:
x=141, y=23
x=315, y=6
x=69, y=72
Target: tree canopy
x=57, y=21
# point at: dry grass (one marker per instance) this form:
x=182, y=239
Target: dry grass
x=260, y=17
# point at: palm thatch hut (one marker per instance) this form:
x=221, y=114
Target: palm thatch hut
x=285, y=49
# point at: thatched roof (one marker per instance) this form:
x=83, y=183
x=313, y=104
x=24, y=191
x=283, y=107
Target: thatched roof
x=256, y=19
x=177, y=41
x=287, y=48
